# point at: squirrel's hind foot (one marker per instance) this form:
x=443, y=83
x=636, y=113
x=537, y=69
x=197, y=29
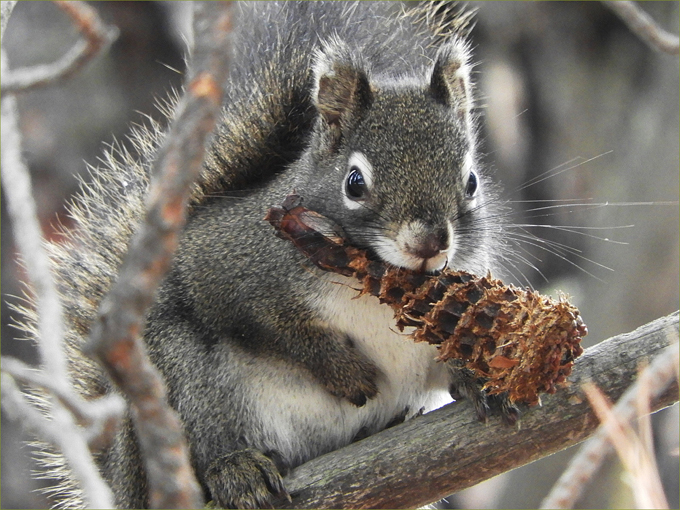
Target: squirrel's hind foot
x=244, y=479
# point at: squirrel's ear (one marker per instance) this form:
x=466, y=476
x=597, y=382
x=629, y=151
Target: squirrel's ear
x=342, y=90
x=450, y=83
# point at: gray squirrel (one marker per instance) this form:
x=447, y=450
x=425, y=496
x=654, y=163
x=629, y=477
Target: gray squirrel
x=368, y=115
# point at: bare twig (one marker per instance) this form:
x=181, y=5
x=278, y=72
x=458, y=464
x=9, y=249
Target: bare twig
x=642, y=25
x=654, y=380
x=22, y=211
x=644, y=421
x=6, y=8
x=100, y=417
x=647, y=487
x=115, y=339
x=62, y=431
x=97, y=37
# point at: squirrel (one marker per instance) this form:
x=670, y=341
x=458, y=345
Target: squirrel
x=369, y=116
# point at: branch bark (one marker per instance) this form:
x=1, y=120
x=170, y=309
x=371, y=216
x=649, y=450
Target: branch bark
x=6, y=9
x=62, y=429
x=96, y=38
x=642, y=25
x=115, y=337
x=446, y=451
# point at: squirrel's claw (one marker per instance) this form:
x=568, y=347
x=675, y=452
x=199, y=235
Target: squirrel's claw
x=465, y=385
x=245, y=479
x=354, y=379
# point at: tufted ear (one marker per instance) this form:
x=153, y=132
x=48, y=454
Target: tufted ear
x=342, y=90
x=450, y=83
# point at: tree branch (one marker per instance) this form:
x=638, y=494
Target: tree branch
x=59, y=430
x=115, y=336
x=583, y=466
x=100, y=418
x=638, y=462
x=446, y=451
x=6, y=9
x=642, y=25
x=62, y=431
x=97, y=37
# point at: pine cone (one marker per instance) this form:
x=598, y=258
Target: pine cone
x=519, y=342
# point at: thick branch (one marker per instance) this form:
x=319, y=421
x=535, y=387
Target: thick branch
x=446, y=451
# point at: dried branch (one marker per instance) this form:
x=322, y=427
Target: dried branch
x=100, y=418
x=583, y=466
x=22, y=211
x=115, y=337
x=97, y=37
x=6, y=8
x=160, y=431
x=638, y=461
x=642, y=25
x=445, y=451
x=63, y=431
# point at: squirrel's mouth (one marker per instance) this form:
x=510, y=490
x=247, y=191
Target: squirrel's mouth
x=408, y=260
x=416, y=245
x=428, y=257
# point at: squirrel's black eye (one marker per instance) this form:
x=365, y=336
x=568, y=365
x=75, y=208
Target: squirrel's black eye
x=471, y=187
x=355, y=185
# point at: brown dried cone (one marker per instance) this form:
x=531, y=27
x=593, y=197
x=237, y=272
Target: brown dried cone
x=520, y=342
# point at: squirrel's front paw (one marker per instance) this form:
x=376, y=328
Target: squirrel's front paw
x=244, y=479
x=360, y=390
x=352, y=377
x=464, y=384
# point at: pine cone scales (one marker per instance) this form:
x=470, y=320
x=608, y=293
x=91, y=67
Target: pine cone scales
x=520, y=342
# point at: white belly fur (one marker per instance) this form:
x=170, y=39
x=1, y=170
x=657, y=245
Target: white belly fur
x=301, y=420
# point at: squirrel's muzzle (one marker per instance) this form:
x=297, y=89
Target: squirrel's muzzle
x=430, y=245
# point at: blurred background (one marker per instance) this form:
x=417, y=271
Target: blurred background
x=565, y=91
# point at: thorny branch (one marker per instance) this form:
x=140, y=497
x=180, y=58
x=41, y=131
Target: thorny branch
x=97, y=37
x=115, y=337
x=642, y=25
x=583, y=466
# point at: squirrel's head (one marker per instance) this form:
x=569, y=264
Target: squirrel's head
x=394, y=160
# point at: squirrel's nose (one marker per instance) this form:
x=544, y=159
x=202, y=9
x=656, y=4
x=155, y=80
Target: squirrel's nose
x=430, y=245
